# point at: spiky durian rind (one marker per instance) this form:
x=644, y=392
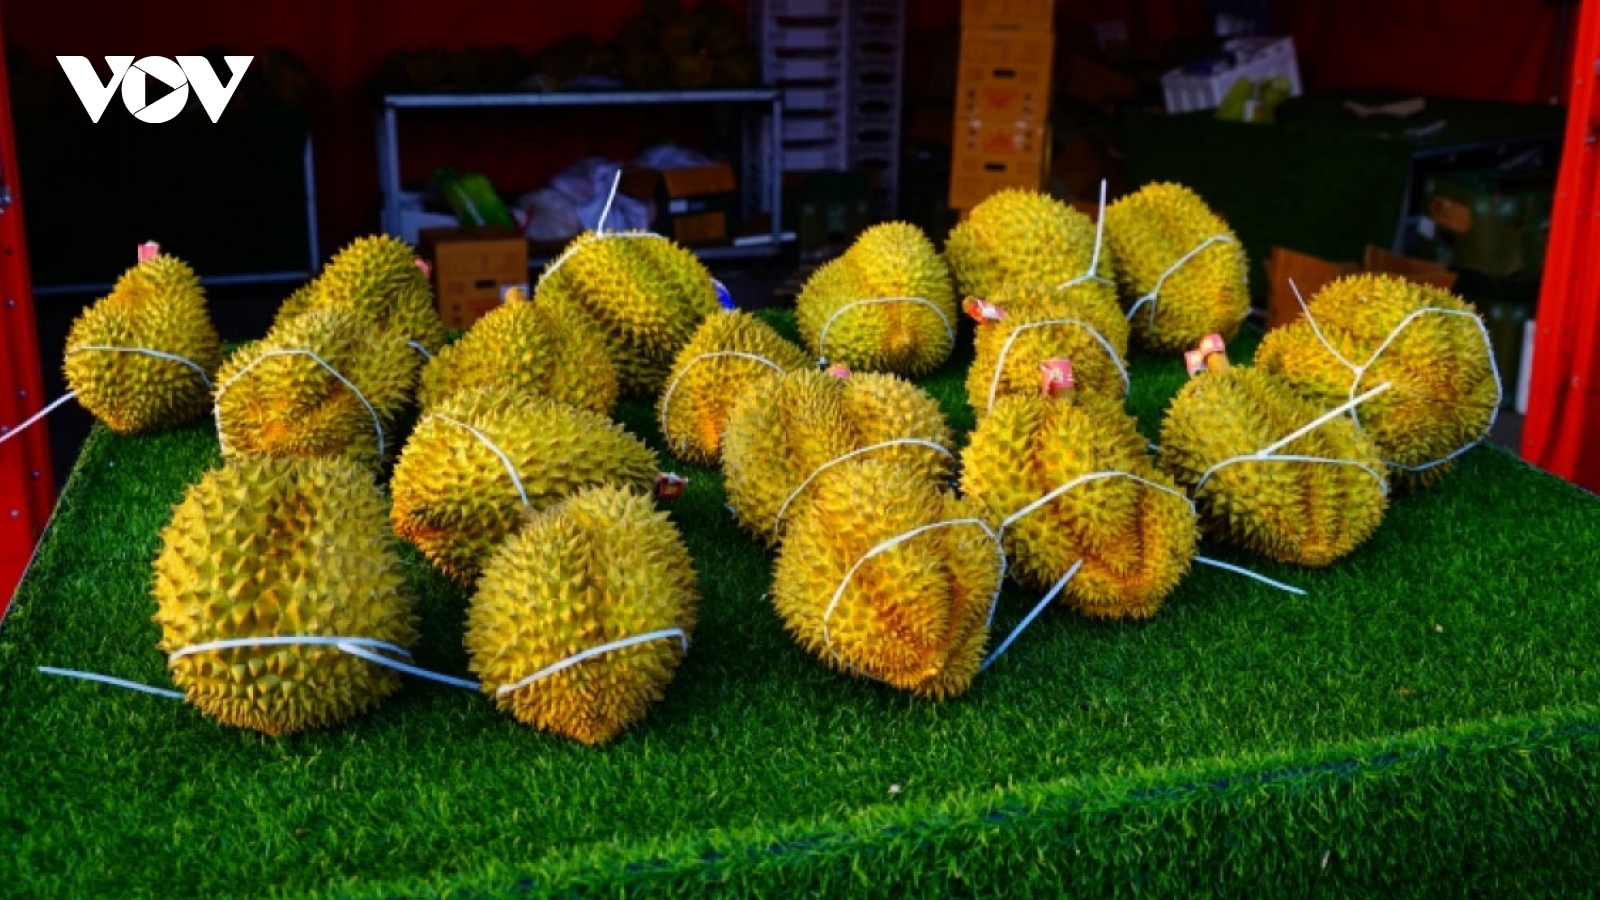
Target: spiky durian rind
x=703, y=387
x=1021, y=235
x=1443, y=393
x=915, y=615
x=453, y=496
x=908, y=328
x=281, y=547
x=1042, y=323
x=1136, y=541
x=1306, y=513
x=602, y=566
x=156, y=305
x=377, y=277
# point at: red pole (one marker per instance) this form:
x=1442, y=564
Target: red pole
x=27, y=489
x=1562, y=431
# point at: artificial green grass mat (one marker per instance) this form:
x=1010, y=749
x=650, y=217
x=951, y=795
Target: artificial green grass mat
x=1430, y=701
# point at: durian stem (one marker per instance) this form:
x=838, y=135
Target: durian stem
x=10, y=433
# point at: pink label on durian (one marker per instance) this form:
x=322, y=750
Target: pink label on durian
x=1212, y=343
x=1195, y=361
x=149, y=250
x=1055, y=377
x=427, y=270
x=840, y=372
x=982, y=311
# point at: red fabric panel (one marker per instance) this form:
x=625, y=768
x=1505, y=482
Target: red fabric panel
x=1562, y=430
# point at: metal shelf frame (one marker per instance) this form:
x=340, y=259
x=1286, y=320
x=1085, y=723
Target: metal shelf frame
x=768, y=99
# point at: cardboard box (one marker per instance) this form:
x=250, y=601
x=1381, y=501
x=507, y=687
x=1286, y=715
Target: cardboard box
x=694, y=206
x=1310, y=273
x=1001, y=136
x=1008, y=15
x=471, y=266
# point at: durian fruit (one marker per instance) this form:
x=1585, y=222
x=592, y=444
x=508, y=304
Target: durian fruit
x=1150, y=231
x=784, y=430
x=1021, y=235
x=693, y=409
x=533, y=346
x=156, y=305
x=271, y=402
x=453, y=495
x=646, y=293
x=892, y=262
x=1306, y=513
x=281, y=547
x=601, y=567
x=378, y=277
x=1444, y=390
x=1040, y=322
x=1136, y=541
x=915, y=615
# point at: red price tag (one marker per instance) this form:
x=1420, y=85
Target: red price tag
x=982, y=311
x=670, y=485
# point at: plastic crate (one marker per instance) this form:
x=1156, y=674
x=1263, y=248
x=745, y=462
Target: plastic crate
x=796, y=9
x=813, y=128
x=1008, y=15
x=782, y=70
x=810, y=159
x=804, y=37
x=813, y=99
x=1254, y=58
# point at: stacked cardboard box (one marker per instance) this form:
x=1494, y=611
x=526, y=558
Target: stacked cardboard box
x=1001, y=135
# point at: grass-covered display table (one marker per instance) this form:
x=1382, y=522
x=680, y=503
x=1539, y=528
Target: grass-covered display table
x=1425, y=716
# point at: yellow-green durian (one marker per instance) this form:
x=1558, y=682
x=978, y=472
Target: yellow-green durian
x=646, y=293
x=454, y=497
x=1307, y=513
x=1135, y=538
x=157, y=305
x=274, y=400
x=893, y=262
x=1021, y=235
x=601, y=567
x=533, y=346
x=706, y=380
x=1148, y=232
x=915, y=615
x=1082, y=324
x=281, y=548
x=378, y=277
x=784, y=430
x=1444, y=390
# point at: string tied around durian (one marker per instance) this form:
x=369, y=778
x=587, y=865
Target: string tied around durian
x=1005, y=350
x=600, y=232
x=890, y=543
x=417, y=346
x=666, y=396
x=1360, y=371
x=592, y=652
x=7, y=433
x=777, y=521
x=1093, y=273
x=1270, y=452
x=216, y=405
x=822, y=336
x=1050, y=595
x=1153, y=297
x=1091, y=477
x=484, y=439
x=360, y=647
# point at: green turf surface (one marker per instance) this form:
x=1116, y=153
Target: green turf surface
x=1426, y=712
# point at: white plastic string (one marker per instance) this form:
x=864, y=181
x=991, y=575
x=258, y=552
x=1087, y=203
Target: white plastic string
x=1240, y=570
x=1005, y=350
x=363, y=653
x=591, y=653
x=9, y=433
x=1151, y=298
x=493, y=448
x=666, y=397
x=575, y=246
x=216, y=406
x=1269, y=452
x=146, y=351
x=114, y=682
x=777, y=521
x=420, y=349
x=891, y=543
x=1361, y=370
x=1085, y=479
x=1099, y=236
x=1055, y=590
x=822, y=338
x=605, y=211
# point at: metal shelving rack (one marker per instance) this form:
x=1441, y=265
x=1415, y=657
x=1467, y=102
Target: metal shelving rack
x=756, y=99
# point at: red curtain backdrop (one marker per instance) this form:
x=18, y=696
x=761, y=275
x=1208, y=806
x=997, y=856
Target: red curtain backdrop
x=1491, y=49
